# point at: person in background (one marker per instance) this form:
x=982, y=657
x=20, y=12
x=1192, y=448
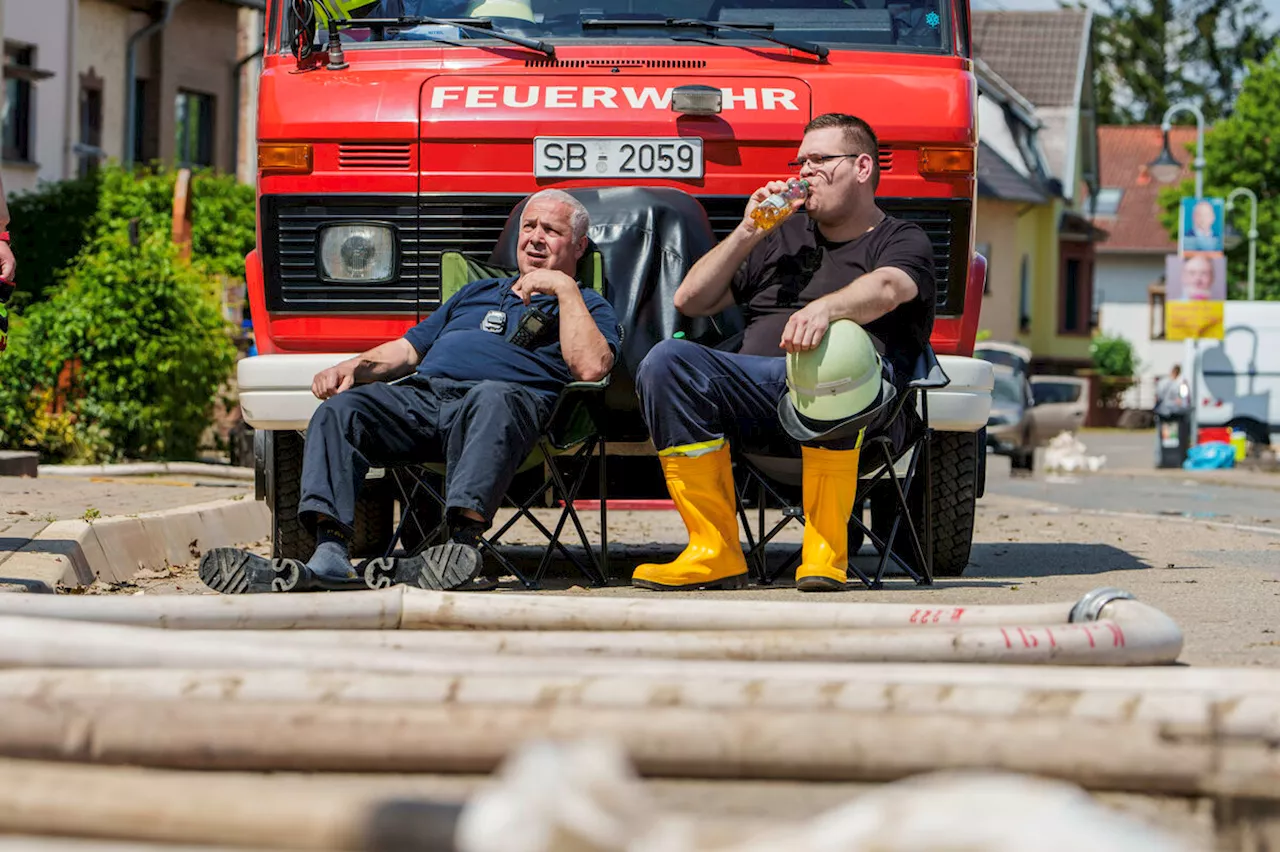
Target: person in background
x=1172, y=393
x=8, y=266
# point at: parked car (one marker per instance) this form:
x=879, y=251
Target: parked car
x=1011, y=424
x=1061, y=403
x=1011, y=355
x=1009, y=427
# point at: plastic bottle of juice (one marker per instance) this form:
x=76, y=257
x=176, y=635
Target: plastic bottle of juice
x=776, y=207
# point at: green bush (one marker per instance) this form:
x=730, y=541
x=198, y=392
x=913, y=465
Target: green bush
x=144, y=329
x=49, y=227
x=1113, y=357
x=53, y=224
x=151, y=350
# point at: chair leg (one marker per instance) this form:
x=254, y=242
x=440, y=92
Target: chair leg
x=604, y=511
x=408, y=498
x=927, y=442
x=523, y=510
x=594, y=574
x=900, y=490
x=753, y=555
x=853, y=568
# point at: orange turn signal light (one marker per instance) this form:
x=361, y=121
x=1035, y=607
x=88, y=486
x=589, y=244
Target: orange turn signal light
x=285, y=158
x=947, y=161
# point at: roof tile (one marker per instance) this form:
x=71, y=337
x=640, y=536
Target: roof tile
x=1125, y=152
x=1037, y=52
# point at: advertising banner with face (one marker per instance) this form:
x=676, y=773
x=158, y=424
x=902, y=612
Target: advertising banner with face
x=1202, y=225
x=1195, y=277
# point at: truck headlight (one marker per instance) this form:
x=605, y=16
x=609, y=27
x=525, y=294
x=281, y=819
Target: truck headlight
x=357, y=253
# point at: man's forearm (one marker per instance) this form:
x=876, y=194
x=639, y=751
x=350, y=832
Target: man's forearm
x=585, y=350
x=385, y=363
x=705, y=289
x=871, y=296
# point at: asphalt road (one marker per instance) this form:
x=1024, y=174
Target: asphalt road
x=1129, y=482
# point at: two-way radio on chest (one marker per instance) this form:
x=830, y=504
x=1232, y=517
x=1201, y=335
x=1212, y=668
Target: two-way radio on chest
x=533, y=324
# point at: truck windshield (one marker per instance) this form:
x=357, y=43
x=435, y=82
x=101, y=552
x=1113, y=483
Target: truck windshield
x=917, y=26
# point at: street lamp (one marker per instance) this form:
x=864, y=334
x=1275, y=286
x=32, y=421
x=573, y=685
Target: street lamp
x=1166, y=168
x=1252, y=236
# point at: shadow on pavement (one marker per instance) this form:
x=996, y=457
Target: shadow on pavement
x=1045, y=559
x=990, y=566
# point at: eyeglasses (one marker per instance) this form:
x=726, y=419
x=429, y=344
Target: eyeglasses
x=816, y=160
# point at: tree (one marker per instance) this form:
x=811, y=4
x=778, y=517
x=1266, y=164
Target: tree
x=1244, y=150
x=1151, y=53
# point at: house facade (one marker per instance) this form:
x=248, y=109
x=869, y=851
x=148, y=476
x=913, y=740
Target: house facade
x=1046, y=59
x=126, y=80
x=1019, y=204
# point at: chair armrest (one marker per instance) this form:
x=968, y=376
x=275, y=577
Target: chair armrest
x=573, y=417
x=579, y=387
x=927, y=374
x=936, y=379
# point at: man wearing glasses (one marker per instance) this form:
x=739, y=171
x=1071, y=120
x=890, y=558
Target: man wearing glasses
x=837, y=257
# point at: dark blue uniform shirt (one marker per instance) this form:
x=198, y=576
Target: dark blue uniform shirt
x=454, y=344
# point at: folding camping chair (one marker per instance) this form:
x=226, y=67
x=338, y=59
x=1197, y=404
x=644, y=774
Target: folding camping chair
x=570, y=439
x=899, y=472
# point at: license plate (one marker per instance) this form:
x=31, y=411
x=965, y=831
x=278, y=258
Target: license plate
x=613, y=157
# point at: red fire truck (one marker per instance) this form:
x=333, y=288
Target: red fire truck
x=430, y=119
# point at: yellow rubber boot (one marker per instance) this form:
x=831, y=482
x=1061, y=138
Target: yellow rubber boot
x=830, y=486
x=702, y=489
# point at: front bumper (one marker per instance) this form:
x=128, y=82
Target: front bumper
x=965, y=404
x=275, y=391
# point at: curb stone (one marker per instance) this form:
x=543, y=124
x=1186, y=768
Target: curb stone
x=115, y=548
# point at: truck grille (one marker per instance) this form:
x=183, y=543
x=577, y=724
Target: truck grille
x=290, y=239
x=375, y=155
x=428, y=225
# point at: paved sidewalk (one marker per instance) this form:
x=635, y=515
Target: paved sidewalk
x=29, y=508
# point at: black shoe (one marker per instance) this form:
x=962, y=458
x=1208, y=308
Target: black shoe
x=233, y=571
x=446, y=566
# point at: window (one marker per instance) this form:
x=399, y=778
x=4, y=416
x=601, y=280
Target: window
x=1048, y=392
x=193, y=129
x=1071, y=323
x=90, y=147
x=907, y=26
x=1155, y=308
x=1024, y=296
x=145, y=135
x=1075, y=290
x=19, y=102
x=1107, y=201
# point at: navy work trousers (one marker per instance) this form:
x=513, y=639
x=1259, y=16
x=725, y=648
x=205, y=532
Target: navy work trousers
x=691, y=393
x=483, y=431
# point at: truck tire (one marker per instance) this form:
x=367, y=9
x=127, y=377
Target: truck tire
x=282, y=468
x=375, y=517
x=955, y=459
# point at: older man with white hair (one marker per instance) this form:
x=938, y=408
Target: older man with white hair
x=478, y=387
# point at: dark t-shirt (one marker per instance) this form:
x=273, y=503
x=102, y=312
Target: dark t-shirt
x=796, y=265
x=454, y=344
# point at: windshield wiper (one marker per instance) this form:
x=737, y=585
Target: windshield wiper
x=678, y=23
x=477, y=26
